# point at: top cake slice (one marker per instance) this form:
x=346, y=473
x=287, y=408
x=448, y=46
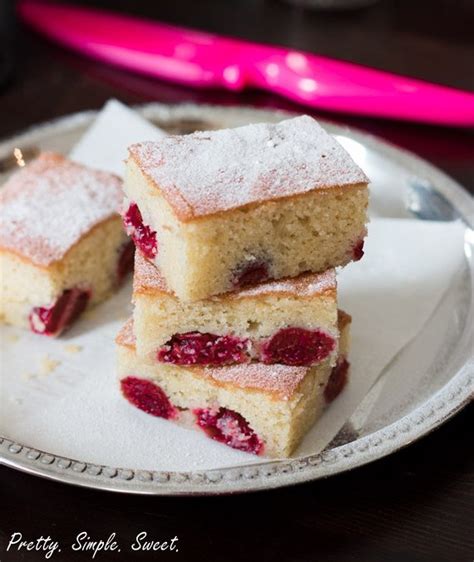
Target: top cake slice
x=222, y=209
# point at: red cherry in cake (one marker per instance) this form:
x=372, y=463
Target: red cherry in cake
x=195, y=348
x=229, y=427
x=148, y=396
x=52, y=320
x=297, y=347
x=143, y=236
x=251, y=274
x=125, y=260
x=358, y=250
x=337, y=380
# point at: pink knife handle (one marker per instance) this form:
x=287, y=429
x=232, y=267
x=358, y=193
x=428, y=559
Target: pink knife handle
x=203, y=60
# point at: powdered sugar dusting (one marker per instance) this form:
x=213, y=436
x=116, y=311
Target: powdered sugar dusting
x=49, y=205
x=276, y=379
x=210, y=172
x=148, y=278
x=305, y=285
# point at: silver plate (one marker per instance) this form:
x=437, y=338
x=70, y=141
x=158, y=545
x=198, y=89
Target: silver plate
x=445, y=385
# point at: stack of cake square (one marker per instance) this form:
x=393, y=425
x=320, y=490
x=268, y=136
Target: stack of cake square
x=236, y=328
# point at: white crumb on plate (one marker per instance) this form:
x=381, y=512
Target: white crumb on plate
x=72, y=348
x=48, y=365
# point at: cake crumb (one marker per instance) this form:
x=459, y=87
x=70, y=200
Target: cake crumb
x=12, y=338
x=72, y=348
x=48, y=365
x=28, y=376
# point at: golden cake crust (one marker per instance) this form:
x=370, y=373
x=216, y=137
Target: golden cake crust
x=343, y=319
x=147, y=279
x=206, y=173
x=49, y=205
x=126, y=337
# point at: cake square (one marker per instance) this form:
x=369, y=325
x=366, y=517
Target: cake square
x=220, y=210
x=62, y=243
x=290, y=322
x=256, y=408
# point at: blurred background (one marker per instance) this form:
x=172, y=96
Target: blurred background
x=428, y=39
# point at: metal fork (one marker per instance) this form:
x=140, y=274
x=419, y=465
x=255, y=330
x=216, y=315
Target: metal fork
x=426, y=203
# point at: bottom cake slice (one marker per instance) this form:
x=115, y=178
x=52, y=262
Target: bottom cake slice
x=256, y=408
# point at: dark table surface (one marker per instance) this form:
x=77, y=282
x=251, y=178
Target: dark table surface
x=416, y=505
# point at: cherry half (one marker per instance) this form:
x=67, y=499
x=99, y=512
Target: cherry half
x=230, y=428
x=337, y=380
x=297, y=347
x=196, y=348
x=148, y=396
x=143, y=236
x=52, y=320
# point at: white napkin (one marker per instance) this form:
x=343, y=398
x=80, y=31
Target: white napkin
x=76, y=409
x=390, y=297
x=104, y=145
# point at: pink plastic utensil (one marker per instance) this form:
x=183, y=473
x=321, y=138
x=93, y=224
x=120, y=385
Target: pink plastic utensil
x=200, y=59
